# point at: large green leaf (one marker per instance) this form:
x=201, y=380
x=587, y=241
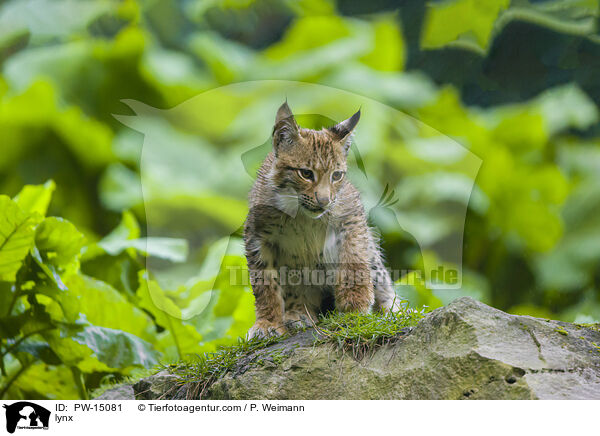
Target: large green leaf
x=95, y=296
x=74, y=353
x=172, y=249
x=45, y=381
x=572, y=17
x=10, y=326
x=16, y=237
x=117, y=349
x=120, y=271
x=36, y=198
x=126, y=237
x=473, y=20
x=7, y=292
x=39, y=350
x=180, y=338
x=59, y=241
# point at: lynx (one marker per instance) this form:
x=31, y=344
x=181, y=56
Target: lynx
x=308, y=245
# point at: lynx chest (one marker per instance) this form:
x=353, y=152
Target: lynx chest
x=304, y=242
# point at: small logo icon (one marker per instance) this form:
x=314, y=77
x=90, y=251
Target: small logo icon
x=26, y=415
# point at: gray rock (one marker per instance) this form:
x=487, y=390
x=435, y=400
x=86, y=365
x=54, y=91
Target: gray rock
x=466, y=350
x=124, y=392
x=160, y=386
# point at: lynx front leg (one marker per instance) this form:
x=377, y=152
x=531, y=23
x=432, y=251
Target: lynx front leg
x=354, y=288
x=268, y=298
x=386, y=299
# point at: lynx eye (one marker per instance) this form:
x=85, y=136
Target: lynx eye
x=337, y=176
x=306, y=174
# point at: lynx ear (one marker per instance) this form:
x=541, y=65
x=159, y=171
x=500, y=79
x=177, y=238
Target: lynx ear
x=285, y=131
x=343, y=131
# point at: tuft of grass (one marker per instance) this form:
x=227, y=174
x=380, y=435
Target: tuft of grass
x=359, y=333
x=364, y=332
x=211, y=366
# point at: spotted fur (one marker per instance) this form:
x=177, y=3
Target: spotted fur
x=306, y=216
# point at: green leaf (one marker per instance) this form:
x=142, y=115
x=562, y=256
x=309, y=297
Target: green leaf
x=180, y=338
x=117, y=349
x=41, y=351
x=522, y=129
x=226, y=59
x=36, y=198
x=121, y=271
x=388, y=46
x=73, y=353
x=48, y=270
x=175, y=250
x=571, y=17
x=16, y=237
x=308, y=33
x=126, y=237
x=120, y=188
x=45, y=381
x=59, y=242
x=7, y=292
x=10, y=326
x=128, y=228
x=446, y=22
x=314, y=45
x=94, y=296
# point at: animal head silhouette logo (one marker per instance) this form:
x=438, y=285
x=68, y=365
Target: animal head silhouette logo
x=199, y=160
x=25, y=414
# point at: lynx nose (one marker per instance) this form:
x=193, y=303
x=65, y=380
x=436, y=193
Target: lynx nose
x=323, y=199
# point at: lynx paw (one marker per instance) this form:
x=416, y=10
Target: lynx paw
x=359, y=301
x=264, y=329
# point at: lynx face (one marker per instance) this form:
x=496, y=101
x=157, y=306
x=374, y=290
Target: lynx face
x=310, y=166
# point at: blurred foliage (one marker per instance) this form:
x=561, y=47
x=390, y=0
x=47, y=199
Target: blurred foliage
x=514, y=82
x=85, y=312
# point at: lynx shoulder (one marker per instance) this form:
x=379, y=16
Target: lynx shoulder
x=308, y=245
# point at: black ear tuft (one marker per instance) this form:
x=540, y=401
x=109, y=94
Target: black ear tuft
x=343, y=130
x=285, y=131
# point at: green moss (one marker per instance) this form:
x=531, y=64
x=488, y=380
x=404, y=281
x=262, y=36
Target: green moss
x=361, y=333
x=562, y=331
x=278, y=357
x=591, y=326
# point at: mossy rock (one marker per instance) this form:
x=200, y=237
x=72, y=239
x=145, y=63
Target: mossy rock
x=466, y=350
